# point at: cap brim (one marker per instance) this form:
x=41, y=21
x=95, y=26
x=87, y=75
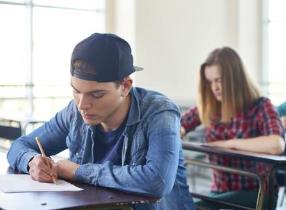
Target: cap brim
x=137, y=68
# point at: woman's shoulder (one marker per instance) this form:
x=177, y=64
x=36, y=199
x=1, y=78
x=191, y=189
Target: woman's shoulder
x=261, y=104
x=261, y=101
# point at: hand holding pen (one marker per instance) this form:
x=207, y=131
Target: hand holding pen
x=42, y=168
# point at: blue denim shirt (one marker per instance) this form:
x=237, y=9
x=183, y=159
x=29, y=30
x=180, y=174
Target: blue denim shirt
x=152, y=160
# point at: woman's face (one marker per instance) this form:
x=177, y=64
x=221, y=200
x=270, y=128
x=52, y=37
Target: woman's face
x=213, y=76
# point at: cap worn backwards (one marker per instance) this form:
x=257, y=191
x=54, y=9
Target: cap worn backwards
x=108, y=54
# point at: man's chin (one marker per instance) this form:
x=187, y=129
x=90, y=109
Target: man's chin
x=91, y=122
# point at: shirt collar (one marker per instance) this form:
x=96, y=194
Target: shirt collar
x=134, y=115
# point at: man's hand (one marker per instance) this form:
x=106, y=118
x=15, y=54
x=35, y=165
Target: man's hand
x=43, y=169
x=66, y=169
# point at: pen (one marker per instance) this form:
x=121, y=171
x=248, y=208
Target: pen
x=42, y=152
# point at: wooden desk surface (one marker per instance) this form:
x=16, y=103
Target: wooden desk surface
x=90, y=197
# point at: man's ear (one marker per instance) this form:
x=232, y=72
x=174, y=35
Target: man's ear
x=126, y=86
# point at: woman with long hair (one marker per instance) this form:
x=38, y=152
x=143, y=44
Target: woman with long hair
x=235, y=116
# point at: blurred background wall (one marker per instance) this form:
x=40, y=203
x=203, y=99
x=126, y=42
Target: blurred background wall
x=169, y=38
x=172, y=38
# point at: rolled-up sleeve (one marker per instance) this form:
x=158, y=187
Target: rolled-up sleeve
x=190, y=119
x=52, y=135
x=268, y=120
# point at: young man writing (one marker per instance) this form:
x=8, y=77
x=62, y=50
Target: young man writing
x=119, y=136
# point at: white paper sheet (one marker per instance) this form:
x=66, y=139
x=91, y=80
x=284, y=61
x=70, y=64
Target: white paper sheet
x=23, y=183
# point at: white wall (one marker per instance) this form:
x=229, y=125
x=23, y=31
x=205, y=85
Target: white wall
x=120, y=19
x=172, y=38
x=249, y=36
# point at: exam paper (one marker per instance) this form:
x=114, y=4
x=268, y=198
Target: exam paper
x=10, y=183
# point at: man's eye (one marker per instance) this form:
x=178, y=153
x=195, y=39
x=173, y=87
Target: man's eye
x=97, y=95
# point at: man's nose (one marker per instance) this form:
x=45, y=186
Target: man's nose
x=83, y=102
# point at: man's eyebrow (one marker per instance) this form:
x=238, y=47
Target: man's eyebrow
x=95, y=91
x=74, y=87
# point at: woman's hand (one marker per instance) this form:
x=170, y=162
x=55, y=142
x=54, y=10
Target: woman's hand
x=272, y=144
x=283, y=119
x=182, y=132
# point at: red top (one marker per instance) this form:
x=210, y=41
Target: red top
x=261, y=119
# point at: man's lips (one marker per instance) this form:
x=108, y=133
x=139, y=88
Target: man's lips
x=89, y=116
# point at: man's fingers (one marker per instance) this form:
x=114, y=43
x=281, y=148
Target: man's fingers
x=41, y=176
x=43, y=169
x=44, y=177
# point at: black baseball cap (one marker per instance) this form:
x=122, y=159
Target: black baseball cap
x=108, y=54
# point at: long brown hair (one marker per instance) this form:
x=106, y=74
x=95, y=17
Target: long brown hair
x=238, y=92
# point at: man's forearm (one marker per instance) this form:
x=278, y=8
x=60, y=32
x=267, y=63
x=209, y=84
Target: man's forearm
x=66, y=169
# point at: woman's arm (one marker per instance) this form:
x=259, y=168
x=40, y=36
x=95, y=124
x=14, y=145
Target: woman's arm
x=273, y=144
x=283, y=120
x=189, y=121
x=270, y=139
x=182, y=131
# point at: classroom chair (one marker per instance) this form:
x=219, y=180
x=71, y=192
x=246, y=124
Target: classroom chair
x=10, y=129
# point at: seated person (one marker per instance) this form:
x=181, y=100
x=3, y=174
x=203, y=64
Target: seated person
x=237, y=117
x=118, y=136
x=281, y=174
x=281, y=109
